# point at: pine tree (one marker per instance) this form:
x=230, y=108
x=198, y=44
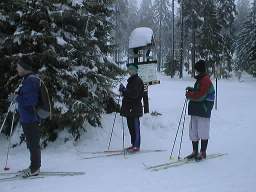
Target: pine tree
x=246, y=44
x=69, y=45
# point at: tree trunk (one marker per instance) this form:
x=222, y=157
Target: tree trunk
x=181, y=39
x=160, y=37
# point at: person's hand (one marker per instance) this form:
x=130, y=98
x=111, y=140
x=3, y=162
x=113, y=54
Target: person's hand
x=12, y=97
x=13, y=107
x=188, y=94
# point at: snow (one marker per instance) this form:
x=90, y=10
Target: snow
x=77, y=2
x=20, y=13
x=140, y=37
x=3, y=17
x=232, y=131
x=61, y=41
x=35, y=34
x=61, y=106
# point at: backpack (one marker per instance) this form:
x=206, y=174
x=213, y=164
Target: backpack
x=43, y=108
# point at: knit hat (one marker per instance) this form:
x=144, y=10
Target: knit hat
x=200, y=66
x=26, y=63
x=132, y=66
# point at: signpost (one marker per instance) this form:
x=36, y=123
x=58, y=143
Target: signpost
x=141, y=52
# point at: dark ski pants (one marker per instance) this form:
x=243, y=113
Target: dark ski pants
x=32, y=134
x=134, y=129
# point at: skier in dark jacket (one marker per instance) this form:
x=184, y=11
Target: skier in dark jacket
x=201, y=101
x=131, y=105
x=27, y=99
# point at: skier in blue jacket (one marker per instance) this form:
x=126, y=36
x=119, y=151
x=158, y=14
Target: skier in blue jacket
x=27, y=99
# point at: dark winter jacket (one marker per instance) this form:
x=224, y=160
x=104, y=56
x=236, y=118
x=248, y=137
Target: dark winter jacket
x=132, y=95
x=28, y=97
x=201, y=97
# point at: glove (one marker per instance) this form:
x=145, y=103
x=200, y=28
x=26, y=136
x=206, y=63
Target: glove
x=12, y=97
x=189, y=88
x=121, y=88
x=188, y=94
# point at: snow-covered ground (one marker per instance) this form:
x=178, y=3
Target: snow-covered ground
x=232, y=131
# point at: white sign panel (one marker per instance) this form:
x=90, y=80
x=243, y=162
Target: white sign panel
x=147, y=72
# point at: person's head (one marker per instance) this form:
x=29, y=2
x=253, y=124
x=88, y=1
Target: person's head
x=200, y=67
x=24, y=66
x=132, y=69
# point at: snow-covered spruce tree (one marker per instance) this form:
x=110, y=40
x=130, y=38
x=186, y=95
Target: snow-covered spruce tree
x=163, y=28
x=69, y=45
x=171, y=67
x=121, y=29
x=146, y=14
x=9, y=17
x=246, y=44
x=193, y=19
x=133, y=21
x=210, y=39
x=208, y=26
x=243, y=9
x=226, y=13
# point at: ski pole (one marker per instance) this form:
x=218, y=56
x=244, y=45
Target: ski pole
x=9, y=143
x=111, y=135
x=178, y=127
x=8, y=111
x=181, y=139
x=11, y=105
x=123, y=135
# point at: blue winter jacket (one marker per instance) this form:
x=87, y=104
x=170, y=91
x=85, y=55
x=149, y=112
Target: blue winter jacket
x=28, y=97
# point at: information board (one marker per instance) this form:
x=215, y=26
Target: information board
x=148, y=73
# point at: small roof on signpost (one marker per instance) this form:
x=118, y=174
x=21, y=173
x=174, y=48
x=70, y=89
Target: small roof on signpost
x=141, y=37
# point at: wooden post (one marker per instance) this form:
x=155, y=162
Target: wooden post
x=136, y=57
x=216, y=94
x=145, y=99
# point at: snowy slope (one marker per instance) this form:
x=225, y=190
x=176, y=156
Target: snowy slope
x=233, y=131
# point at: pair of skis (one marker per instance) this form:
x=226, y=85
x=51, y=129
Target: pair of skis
x=12, y=176
x=157, y=167
x=110, y=153
x=179, y=162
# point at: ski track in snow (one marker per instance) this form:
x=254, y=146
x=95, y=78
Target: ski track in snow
x=232, y=131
